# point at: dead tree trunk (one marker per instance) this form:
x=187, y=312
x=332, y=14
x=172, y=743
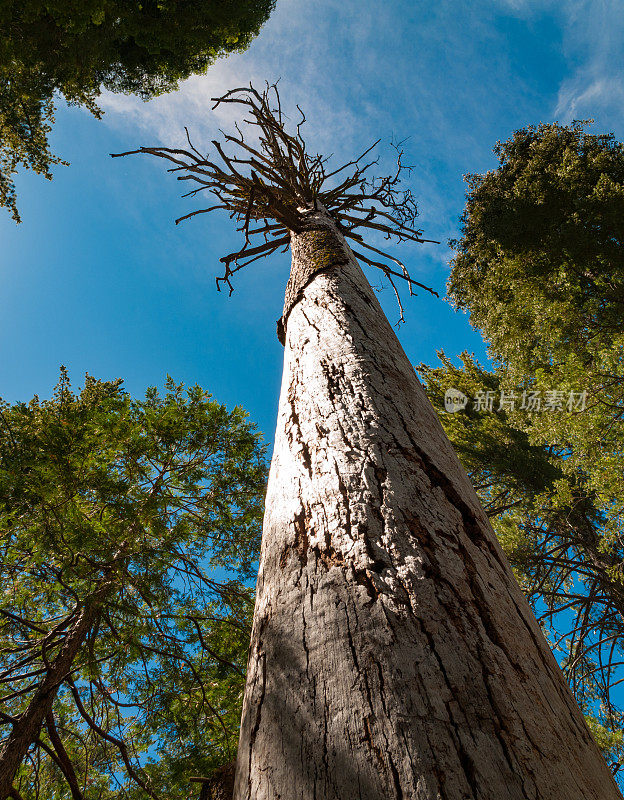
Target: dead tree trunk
x=393, y=654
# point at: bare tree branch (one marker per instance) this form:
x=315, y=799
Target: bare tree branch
x=279, y=180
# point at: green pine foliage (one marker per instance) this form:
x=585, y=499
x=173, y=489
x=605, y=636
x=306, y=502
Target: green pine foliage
x=78, y=48
x=166, y=495
x=540, y=264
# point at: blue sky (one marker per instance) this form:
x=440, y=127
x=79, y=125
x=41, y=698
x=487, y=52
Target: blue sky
x=98, y=278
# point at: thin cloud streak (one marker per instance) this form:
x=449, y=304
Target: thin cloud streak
x=443, y=74
x=594, y=43
x=348, y=72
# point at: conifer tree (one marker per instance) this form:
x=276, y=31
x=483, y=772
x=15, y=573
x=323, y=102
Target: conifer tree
x=119, y=632
x=77, y=49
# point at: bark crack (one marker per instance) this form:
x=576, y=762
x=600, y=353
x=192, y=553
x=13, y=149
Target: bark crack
x=256, y=723
x=392, y=681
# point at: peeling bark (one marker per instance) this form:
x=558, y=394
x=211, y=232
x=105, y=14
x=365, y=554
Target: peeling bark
x=393, y=655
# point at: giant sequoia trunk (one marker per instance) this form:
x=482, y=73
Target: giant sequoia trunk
x=393, y=654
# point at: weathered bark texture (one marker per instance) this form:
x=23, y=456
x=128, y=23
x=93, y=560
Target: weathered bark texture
x=221, y=784
x=393, y=654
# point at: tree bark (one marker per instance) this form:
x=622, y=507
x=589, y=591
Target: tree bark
x=393, y=655
x=26, y=727
x=221, y=784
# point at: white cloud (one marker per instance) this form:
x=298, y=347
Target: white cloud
x=578, y=100
x=163, y=119
x=292, y=48
x=594, y=46
x=441, y=73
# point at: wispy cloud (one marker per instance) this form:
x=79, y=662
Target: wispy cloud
x=578, y=100
x=292, y=48
x=592, y=43
x=594, y=46
x=403, y=68
x=445, y=74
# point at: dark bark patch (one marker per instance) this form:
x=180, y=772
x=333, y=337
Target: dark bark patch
x=370, y=741
x=220, y=786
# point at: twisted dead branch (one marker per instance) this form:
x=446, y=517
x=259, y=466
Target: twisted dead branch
x=271, y=188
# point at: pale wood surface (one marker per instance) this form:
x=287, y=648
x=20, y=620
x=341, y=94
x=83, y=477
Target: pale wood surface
x=393, y=655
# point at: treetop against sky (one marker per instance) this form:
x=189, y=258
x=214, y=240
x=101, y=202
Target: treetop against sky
x=98, y=277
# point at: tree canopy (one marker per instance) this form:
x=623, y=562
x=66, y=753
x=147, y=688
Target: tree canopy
x=143, y=518
x=76, y=49
x=540, y=264
x=540, y=269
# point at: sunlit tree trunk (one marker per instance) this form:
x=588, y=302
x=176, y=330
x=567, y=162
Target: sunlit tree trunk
x=393, y=654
